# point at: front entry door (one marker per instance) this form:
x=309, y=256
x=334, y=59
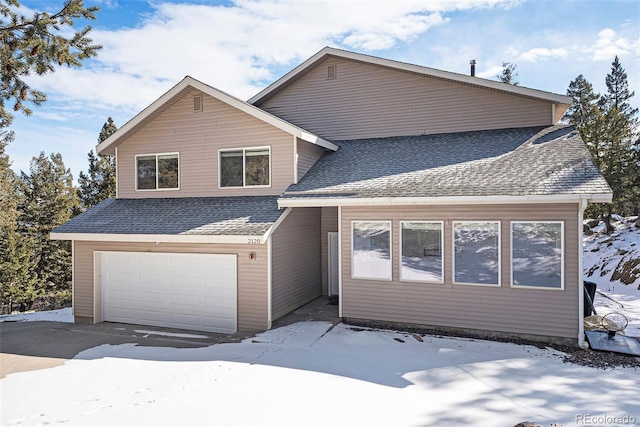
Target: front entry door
x=334, y=261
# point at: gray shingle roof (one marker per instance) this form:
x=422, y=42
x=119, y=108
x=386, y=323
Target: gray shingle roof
x=506, y=162
x=244, y=216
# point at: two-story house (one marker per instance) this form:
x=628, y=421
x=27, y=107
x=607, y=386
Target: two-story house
x=418, y=196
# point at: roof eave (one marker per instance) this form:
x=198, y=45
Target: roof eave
x=162, y=238
x=447, y=200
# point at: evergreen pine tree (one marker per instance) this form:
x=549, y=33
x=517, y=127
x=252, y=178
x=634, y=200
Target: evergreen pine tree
x=100, y=181
x=509, y=74
x=18, y=282
x=8, y=191
x=49, y=200
x=36, y=45
x=618, y=94
x=606, y=124
x=584, y=108
x=620, y=124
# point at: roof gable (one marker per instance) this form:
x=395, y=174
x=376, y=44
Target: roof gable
x=562, y=101
x=179, y=91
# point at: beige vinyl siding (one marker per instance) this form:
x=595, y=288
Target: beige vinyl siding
x=366, y=100
x=329, y=223
x=308, y=155
x=505, y=309
x=197, y=137
x=295, y=259
x=252, y=276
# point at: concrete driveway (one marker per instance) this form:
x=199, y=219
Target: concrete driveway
x=29, y=346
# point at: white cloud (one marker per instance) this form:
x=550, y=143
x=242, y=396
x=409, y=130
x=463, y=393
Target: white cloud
x=388, y=34
x=108, y=4
x=237, y=48
x=609, y=44
x=491, y=72
x=541, y=53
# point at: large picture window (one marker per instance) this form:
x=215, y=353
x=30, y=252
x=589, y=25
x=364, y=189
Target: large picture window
x=476, y=247
x=245, y=167
x=371, y=250
x=421, y=249
x=537, y=254
x=157, y=172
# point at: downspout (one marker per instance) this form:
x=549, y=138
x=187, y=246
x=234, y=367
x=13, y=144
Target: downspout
x=295, y=160
x=339, y=261
x=269, y=283
x=116, y=161
x=73, y=280
x=581, y=341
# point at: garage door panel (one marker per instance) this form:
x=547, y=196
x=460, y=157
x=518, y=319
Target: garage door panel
x=121, y=258
x=184, y=318
x=219, y=303
x=189, y=300
x=224, y=324
x=154, y=318
x=152, y=297
x=120, y=313
x=121, y=294
x=152, y=280
x=155, y=260
x=122, y=278
x=192, y=291
x=193, y=261
x=221, y=312
x=222, y=277
x=185, y=281
x=219, y=290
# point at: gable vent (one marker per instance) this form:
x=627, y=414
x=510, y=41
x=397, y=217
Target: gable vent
x=197, y=103
x=332, y=71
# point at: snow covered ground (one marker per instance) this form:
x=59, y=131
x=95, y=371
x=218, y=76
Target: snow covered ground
x=63, y=315
x=309, y=374
x=605, y=257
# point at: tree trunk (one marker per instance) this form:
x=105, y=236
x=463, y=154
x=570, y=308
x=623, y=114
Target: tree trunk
x=607, y=222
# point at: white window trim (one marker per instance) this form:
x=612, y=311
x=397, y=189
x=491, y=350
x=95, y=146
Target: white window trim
x=135, y=165
x=244, y=149
x=453, y=253
x=386, y=279
x=441, y=253
x=562, y=269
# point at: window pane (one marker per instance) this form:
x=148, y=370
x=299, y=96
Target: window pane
x=231, y=168
x=421, y=251
x=476, y=252
x=168, y=171
x=146, y=167
x=371, y=250
x=537, y=254
x=257, y=167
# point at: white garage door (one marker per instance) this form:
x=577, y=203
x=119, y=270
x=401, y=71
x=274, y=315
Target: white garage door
x=187, y=291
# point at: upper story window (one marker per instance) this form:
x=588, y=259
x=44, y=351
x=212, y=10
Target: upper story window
x=245, y=167
x=157, y=171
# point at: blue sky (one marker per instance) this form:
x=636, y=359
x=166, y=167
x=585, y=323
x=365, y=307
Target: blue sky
x=242, y=46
